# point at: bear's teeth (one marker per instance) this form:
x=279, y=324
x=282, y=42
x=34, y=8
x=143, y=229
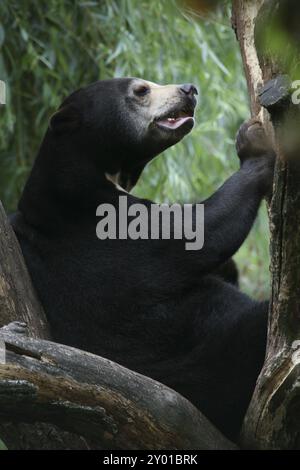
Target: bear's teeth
x=174, y=123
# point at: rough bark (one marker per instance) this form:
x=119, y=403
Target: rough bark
x=273, y=418
x=17, y=298
x=109, y=405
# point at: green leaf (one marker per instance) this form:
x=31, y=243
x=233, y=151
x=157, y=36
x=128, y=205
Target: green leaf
x=2, y=445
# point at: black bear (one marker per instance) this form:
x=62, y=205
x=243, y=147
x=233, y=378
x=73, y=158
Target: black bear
x=149, y=304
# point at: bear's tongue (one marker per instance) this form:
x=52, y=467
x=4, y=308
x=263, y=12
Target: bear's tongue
x=174, y=123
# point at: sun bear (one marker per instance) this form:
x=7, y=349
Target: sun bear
x=172, y=314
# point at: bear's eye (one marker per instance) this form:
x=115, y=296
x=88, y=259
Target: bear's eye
x=141, y=90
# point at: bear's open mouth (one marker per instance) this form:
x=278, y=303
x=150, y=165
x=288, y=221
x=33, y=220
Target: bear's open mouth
x=175, y=119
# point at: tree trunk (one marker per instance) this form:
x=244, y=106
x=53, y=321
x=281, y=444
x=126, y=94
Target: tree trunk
x=17, y=297
x=273, y=418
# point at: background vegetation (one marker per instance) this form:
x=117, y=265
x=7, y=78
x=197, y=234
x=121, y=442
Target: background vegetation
x=49, y=48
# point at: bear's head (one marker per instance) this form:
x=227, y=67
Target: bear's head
x=108, y=131
x=124, y=123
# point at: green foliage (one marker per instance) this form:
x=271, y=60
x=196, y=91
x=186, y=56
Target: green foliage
x=49, y=48
x=2, y=445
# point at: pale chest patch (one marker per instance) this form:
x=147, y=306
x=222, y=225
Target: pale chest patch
x=116, y=180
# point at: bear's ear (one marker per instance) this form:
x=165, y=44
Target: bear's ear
x=66, y=119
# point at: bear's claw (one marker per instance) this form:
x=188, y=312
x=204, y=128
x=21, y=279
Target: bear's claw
x=252, y=141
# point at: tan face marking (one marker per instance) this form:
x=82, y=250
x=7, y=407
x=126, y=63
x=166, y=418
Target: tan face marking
x=168, y=107
x=159, y=98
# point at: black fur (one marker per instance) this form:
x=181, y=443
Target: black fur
x=152, y=306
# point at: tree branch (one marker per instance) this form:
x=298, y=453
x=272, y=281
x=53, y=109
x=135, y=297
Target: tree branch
x=113, y=407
